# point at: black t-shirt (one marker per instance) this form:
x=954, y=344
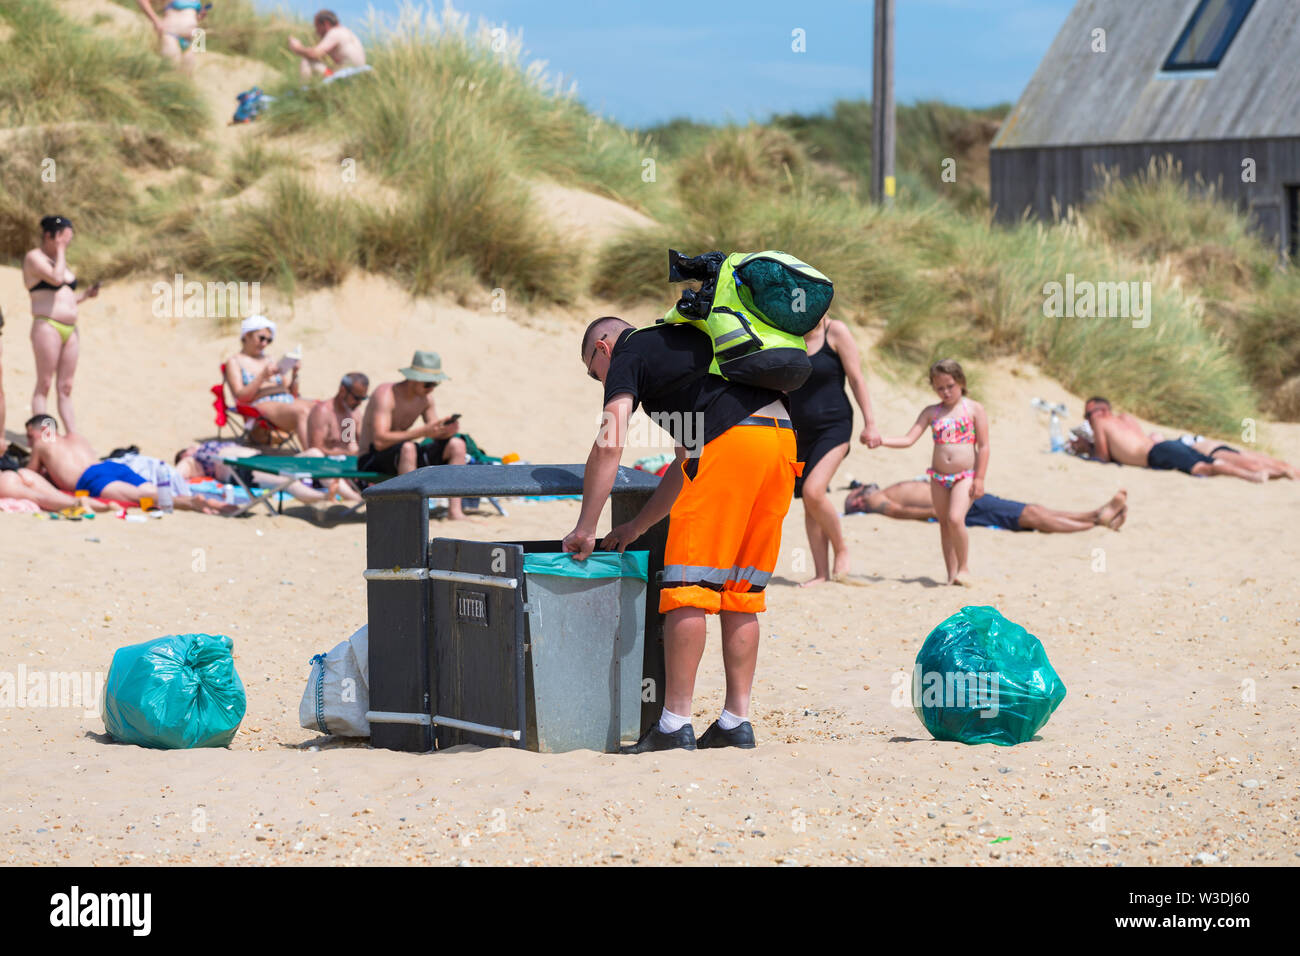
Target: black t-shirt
x=665, y=368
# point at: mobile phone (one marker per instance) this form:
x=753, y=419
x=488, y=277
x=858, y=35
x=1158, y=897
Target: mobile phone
x=454, y=418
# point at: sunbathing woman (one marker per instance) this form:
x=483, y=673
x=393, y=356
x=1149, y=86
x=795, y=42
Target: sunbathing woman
x=25, y=484
x=175, y=28
x=53, y=289
x=254, y=379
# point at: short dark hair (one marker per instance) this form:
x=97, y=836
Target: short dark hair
x=597, y=329
x=52, y=225
x=355, y=378
x=1099, y=400
x=40, y=421
x=327, y=16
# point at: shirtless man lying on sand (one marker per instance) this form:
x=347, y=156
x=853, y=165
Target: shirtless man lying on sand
x=1120, y=438
x=72, y=465
x=911, y=499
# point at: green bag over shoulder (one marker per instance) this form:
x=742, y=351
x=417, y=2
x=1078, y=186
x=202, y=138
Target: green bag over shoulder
x=756, y=308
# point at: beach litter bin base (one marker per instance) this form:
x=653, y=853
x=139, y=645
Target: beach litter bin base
x=454, y=625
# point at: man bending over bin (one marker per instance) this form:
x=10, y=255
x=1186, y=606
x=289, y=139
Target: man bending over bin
x=726, y=495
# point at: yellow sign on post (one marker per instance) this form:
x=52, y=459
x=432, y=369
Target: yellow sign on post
x=890, y=186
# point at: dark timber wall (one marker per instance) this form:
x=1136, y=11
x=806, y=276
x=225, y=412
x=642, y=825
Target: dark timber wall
x=1029, y=178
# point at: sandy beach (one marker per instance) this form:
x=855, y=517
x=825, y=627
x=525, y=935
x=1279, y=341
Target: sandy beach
x=1173, y=637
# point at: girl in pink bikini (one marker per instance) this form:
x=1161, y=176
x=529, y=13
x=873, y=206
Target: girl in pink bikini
x=961, y=458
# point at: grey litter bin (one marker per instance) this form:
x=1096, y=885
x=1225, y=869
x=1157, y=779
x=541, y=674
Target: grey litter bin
x=451, y=623
x=586, y=638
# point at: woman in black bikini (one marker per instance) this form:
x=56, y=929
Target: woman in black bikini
x=53, y=289
x=823, y=424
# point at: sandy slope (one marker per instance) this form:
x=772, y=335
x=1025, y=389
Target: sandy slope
x=1197, y=596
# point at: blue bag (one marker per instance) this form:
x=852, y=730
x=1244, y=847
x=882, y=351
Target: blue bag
x=175, y=692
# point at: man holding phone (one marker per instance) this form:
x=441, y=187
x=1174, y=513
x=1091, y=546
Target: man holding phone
x=393, y=444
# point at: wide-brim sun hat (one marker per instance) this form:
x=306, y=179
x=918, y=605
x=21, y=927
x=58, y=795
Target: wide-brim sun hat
x=425, y=367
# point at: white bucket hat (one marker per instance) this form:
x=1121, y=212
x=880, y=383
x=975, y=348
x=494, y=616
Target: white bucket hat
x=254, y=323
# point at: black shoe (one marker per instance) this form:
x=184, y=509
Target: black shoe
x=715, y=736
x=656, y=739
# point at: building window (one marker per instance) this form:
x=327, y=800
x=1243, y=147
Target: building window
x=1209, y=33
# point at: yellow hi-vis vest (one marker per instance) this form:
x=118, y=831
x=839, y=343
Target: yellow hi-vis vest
x=763, y=304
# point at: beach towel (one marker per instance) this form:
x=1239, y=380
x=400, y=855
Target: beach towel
x=156, y=472
x=18, y=506
x=338, y=689
x=346, y=72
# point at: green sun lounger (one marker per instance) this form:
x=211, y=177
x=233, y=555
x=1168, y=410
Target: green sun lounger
x=292, y=469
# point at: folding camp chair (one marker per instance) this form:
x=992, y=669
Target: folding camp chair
x=292, y=469
x=249, y=420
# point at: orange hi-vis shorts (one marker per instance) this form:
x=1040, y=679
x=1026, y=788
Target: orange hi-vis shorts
x=724, y=531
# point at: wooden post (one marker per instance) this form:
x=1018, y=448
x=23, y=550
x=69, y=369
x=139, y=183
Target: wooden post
x=882, y=105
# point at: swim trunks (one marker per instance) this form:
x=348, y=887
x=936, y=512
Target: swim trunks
x=724, y=531
x=990, y=511
x=385, y=462
x=1171, y=455
x=98, y=477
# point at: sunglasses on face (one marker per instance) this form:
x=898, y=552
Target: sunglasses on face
x=595, y=349
x=354, y=399
x=264, y=339
x=429, y=386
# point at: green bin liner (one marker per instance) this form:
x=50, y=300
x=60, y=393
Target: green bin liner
x=982, y=679
x=601, y=564
x=175, y=692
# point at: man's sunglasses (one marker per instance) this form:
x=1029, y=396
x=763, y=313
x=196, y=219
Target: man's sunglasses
x=594, y=349
x=265, y=339
x=356, y=399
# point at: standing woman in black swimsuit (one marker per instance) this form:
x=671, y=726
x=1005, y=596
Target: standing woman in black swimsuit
x=53, y=289
x=823, y=424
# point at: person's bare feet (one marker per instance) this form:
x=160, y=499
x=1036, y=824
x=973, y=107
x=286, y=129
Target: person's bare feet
x=1118, y=520
x=1112, y=509
x=817, y=580
x=841, y=566
x=1259, y=477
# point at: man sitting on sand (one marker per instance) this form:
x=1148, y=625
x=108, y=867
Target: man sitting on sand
x=72, y=465
x=1120, y=438
x=336, y=42
x=332, y=426
x=911, y=499
x=391, y=445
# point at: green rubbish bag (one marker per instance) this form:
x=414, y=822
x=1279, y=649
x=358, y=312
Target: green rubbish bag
x=175, y=692
x=982, y=679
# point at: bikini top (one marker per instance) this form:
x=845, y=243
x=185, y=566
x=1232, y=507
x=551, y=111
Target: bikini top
x=194, y=5
x=53, y=288
x=277, y=378
x=954, y=429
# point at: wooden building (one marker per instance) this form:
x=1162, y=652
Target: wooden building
x=1214, y=84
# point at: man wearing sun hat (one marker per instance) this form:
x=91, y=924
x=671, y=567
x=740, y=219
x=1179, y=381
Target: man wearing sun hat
x=393, y=443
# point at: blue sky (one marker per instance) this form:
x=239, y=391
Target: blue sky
x=644, y=61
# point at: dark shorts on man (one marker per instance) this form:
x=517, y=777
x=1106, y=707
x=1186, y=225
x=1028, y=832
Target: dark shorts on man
x=1171, y=455
x=385, y=462
x=990, y=511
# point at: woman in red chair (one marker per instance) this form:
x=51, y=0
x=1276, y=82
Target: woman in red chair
x=254, y=379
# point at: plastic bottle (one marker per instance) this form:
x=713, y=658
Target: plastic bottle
x=165, y=498
x=228, y=494
x=1058, y=438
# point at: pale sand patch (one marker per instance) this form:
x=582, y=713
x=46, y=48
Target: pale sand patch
x=1155, y=676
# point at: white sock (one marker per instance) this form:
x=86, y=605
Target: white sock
x=729, y=721
x=670, y=723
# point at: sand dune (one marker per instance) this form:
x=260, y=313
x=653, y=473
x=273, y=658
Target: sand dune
x=1154, y=756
